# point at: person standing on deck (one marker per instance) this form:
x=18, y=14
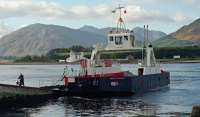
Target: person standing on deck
x=21, y=80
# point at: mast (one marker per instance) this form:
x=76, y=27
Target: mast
x=148, y=50
x=120, y=21
x=147, y=35
x=144, y=45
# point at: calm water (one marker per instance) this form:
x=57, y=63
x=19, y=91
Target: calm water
x=177, y=100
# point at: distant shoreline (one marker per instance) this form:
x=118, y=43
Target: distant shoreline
x=181, y=61
x=33, y=63
x=122, y=62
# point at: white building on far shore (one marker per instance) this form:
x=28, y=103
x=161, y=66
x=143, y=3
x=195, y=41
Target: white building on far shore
x=75, y=56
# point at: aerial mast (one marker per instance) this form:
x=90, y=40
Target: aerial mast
x=120, y=21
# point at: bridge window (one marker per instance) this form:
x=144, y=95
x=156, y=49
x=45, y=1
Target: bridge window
x=126, y=38
x=118, y=40
x=111, y=38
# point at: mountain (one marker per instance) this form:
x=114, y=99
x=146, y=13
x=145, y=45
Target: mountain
x=100, y=31
x=38, y=39
x=153, y=35
x=88, y=28
x=188, y=35
x=139, y=32
x=170, y=41
x=189, y=32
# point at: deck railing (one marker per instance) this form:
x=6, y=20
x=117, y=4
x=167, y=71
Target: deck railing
x=92, y=69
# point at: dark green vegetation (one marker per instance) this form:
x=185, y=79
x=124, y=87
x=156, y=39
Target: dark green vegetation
x=54, y=55
x=186, y=53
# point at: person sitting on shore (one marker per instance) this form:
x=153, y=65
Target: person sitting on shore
x=20, y=80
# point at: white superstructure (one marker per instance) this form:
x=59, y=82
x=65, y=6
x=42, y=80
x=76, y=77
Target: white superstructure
x=74, y=56
x=120, y=40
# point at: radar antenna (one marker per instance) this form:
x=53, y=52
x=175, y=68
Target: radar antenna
x=120, y=21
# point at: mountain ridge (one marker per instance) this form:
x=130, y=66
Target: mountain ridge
x=38, y=39
x=189, y=32
x=139, y=32
x=187, y=35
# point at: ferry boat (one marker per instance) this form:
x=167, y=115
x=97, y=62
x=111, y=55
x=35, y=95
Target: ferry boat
x=105, y=77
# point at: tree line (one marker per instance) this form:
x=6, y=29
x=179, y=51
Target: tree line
x=190, y=52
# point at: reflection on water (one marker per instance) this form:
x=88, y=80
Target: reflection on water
x=109, y=107
x=177, y=100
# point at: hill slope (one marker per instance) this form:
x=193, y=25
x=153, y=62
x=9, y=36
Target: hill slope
x=153, y=35
x=170, y=41
x=189, y=32
x=188, y=35
x=38, y=39
x=139, y=32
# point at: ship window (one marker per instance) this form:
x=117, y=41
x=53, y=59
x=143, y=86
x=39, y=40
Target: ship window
x=111, y=38
x=126, y=38
x=118, y=40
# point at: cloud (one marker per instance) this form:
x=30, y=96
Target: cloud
x=15, y=8
x=181, y=19
x=177, y=16
x=50, y=9
x=21, y=26
x=171, y=1
x=138, y=14
x=4, y=29
x=30, y=8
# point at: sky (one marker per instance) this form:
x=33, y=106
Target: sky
x=161, y=15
